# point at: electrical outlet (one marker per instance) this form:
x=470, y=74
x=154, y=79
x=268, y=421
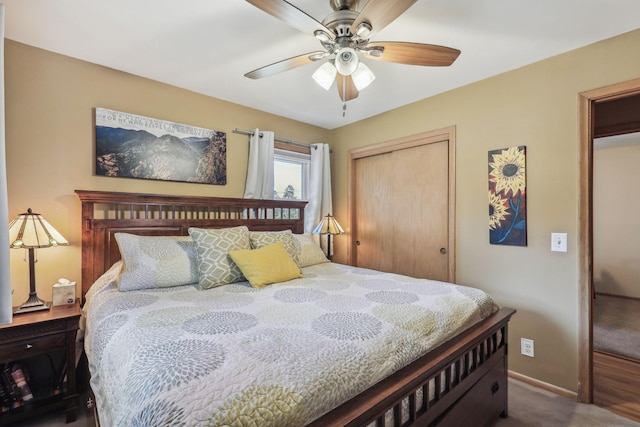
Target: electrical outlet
x=526, y=347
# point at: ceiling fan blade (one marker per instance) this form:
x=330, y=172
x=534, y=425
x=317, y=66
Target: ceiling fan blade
x=280, y=66
x=415, y=53
x=380, y=13
x=346, y=88
x=291, y=15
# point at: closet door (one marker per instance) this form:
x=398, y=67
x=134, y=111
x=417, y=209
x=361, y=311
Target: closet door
x=375, y=215
x=401, y=204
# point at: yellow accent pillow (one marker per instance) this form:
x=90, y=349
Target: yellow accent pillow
x=266, y=265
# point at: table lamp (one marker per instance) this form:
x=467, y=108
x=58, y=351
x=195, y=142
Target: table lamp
x=31, y=231
x=330, y=227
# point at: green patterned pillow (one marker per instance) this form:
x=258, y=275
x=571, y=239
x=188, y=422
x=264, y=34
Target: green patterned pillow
x=156, y=261
x=213, y=245
x=309, y=252
x=260, y=239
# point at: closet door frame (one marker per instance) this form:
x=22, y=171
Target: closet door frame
x=438, y=135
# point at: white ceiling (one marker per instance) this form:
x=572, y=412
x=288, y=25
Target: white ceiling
x=208, y=45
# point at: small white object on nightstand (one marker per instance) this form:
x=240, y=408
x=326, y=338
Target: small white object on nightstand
x=64, y=292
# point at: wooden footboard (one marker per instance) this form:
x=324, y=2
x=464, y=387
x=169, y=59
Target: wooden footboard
x=461, y=383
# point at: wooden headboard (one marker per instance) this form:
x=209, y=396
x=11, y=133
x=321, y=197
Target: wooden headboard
x=106, y=213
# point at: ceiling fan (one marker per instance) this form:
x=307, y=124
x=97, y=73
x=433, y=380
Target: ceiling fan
x=344, y=34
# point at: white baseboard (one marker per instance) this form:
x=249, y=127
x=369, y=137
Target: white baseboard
x=544, y=385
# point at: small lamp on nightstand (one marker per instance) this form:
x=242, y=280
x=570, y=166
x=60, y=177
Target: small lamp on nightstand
x=330, y=227
x=31, y=231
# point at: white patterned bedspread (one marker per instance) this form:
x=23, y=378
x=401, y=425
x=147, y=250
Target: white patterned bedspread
x=277, y=356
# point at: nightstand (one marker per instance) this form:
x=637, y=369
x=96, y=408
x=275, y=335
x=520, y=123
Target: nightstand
x=44, y=335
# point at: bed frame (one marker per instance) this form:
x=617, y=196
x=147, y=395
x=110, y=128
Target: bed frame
x=461, y=383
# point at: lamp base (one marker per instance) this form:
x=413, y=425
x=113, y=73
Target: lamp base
x=32, y=304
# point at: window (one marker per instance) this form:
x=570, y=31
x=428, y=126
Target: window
x=290, y=175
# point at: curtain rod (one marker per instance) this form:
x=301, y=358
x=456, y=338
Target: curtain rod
x=286, y=141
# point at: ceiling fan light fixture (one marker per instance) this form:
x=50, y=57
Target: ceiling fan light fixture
x=347, y=61
x=362, y=76
x=325, y=75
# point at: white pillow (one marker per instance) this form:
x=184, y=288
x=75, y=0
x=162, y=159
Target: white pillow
x=156, y=261
x=310, y=252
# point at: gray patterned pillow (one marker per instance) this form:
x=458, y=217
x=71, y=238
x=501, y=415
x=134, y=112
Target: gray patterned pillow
x=263, y=238
x=156, y=261
x=213, y=245
x=309, y=252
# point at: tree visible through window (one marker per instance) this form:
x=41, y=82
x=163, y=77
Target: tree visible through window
x=291, y=178
x=291, y=175
x=289, y=192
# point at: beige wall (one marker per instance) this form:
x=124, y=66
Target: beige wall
x=535, y=106
x=50, y=153
x=50, y=101
x=616, y=229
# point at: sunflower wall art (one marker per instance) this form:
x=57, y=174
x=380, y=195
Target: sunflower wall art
x=508, y=197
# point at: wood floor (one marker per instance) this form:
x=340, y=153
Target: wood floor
x=616, y=385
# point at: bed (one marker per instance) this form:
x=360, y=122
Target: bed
x=316, y=366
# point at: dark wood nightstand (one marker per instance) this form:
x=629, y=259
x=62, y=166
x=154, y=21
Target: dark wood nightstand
x=40, y=335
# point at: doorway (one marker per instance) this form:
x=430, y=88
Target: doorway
x=611, y=110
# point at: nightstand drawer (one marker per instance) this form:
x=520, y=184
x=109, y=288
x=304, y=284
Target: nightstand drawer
x=27, y=348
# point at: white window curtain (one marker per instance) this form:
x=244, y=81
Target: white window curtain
x=259, y=183
x=319, y=190
x=5, y=277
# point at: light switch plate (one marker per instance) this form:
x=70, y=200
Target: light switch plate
x=559, y=242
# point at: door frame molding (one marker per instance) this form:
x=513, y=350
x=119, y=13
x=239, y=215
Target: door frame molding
x=586, y=102
x=430, y=137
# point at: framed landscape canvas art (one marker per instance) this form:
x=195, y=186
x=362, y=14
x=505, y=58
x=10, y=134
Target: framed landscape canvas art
x=132, y=146
x=508, y=196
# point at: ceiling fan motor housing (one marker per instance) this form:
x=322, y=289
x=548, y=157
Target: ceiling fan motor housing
x=340, y=22
x=344, y=4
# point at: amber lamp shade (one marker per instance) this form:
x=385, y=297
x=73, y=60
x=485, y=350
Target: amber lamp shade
x=30, y=231
x=329, y=226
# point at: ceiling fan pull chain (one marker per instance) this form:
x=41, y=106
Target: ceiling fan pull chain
x=344, y=92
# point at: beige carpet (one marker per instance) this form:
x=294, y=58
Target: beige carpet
x=616, y=326
x=533, y=407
